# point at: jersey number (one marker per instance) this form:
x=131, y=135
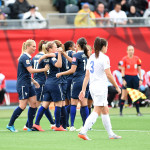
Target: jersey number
x=35, y=64
x=84, y=61
x=92, y=67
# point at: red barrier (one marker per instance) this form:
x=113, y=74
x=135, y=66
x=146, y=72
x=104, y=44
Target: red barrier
x=118, y=38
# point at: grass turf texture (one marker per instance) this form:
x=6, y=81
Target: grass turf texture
x=134, y=130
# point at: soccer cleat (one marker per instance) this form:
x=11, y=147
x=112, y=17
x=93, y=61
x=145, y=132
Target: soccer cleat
x=139, y=114
x=52, y=126
x=31, y=129
x=59, y=128
x=11, y=128
x=80, y=129
x=72, y=128
x=38, y=127
x=25, y=128
x=115, y=137
x=121, y=114
x=83, y=136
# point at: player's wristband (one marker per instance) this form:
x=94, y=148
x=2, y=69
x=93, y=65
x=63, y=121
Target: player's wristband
x=141, y=80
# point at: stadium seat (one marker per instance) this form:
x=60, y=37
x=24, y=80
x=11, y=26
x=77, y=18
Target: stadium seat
x=5, y=9
x=10, y=88
x=71, y=9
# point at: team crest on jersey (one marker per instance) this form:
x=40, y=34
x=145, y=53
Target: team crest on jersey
x=128, y=66
x=53, y=59
x=27, y=62
x=74, y=59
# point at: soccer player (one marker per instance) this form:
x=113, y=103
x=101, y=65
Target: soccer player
x=78, y=70
x=130, y=69
x=52, y=89
x=40, y=78
x=24, y=88
x=69, y=47
x=98, y=70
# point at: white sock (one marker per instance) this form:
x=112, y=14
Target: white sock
x=107, y=124
x=89, y=122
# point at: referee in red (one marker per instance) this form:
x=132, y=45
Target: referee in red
x=131, y=67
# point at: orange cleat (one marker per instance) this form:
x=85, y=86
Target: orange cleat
x=25, y=128
x=59, y=128
x=38, y=127
x=83, y=136
x=52, y=126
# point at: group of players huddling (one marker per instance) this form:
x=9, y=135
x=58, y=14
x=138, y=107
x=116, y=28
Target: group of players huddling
x=64, y=76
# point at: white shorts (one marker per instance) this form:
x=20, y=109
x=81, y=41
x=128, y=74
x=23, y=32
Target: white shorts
x=100, y=100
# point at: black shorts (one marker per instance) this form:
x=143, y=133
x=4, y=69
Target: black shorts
x=132, y=82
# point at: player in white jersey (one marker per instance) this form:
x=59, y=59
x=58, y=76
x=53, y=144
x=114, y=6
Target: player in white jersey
x=98, y=70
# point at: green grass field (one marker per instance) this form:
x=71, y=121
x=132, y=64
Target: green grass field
x=135, y=132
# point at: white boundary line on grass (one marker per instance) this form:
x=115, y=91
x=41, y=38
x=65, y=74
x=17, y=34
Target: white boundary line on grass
x=125, y=130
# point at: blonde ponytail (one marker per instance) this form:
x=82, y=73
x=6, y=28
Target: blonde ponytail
x=24, y=46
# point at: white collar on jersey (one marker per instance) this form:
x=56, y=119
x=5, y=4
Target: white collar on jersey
x=28, y=54
x=41, y=52
x=80, y=51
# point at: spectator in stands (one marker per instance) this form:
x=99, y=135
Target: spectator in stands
x=2, y=17
x=101, y=13
x=118, y=16
x=147, y=15
x=84, y=17
x=133, y=13
x=140, y=5
x=33, y=19
x=19, y=8
x=112, y=92
x=9, y=4
x=105, y=2
x=81, y=2
x=2, y=87
x=123, y=3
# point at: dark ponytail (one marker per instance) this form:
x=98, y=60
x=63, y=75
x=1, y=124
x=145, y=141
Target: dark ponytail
x=98, y=45
x=40, y=45
x=82, y=42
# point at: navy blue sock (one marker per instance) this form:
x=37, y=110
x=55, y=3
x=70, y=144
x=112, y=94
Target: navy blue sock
x=121, y=105
x=31, y=115
x=68, y=112
x=15, y=115
x=64, y=119
x=57, y=116
x=39, y=115
x=73, y=114
x=84, y=113
x=49, y=116
x=137, y=106
x=89, y=111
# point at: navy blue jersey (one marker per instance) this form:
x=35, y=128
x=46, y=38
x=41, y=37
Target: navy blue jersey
x=80, y=60
x=39, y=77
x=23, y=76
x=51, y=73
x=70, y=54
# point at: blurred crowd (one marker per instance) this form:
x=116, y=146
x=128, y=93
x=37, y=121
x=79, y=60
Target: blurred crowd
x=117, y=10
x=21, y=9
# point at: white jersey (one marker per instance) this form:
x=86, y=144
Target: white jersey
x=98, y=78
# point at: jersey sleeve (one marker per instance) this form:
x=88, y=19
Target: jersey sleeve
x=139, y=62
x=106, y=63
x=74, y=60
x=53, y=60
x=26, y=62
